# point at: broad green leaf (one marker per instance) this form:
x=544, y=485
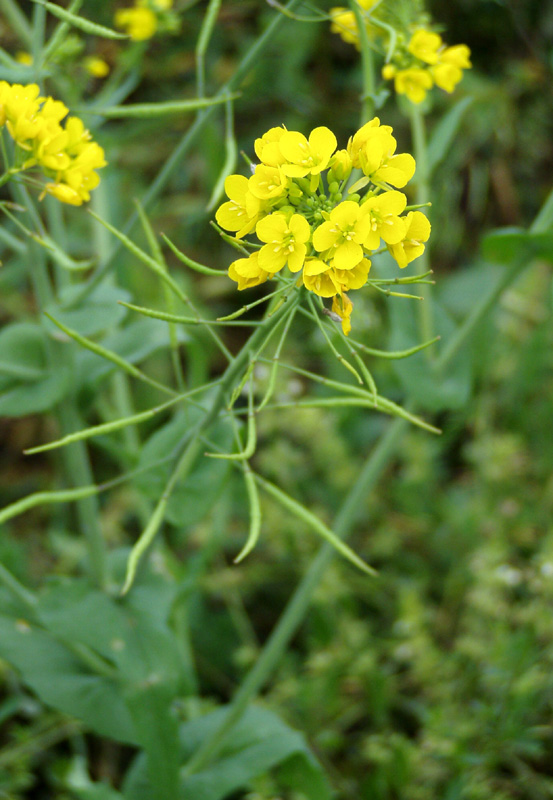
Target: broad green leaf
x=100, y=310
x=135, y=342
x=259, y=742
x=61, y=679
x=99, y=791
x=26, y=384
x=509, y=244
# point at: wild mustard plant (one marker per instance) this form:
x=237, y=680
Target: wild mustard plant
x=319, y=215
x=306, y=218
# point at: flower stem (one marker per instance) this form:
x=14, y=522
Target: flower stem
x=418, y=133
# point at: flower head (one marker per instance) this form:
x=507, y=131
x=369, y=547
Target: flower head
x=65, y=153
x=139, y=23
x=303, y=224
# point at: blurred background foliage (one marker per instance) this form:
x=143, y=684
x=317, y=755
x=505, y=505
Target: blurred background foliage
x=435, y=679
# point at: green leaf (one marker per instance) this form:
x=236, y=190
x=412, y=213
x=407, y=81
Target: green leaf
x=445, y=132
x=26, y=384
x=100, y=310
x=510, y=244
x=190, y=501
x=427, y=388
x=260, y=742
x=61, y=680
x=134, y=343
x=99, y=791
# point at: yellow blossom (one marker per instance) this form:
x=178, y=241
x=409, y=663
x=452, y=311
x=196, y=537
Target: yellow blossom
x=343, y=235
x=344, y=22
x=247, y=272
x=304, y=156
x=448, y=71
x=424, y=45
x=413, y=82
x=317, y=277
x=242, y=211
x=343, y=307
x=354, y=278
x=96, y=66
x=268, y=182
x=417, y=231
x=140, y=23
x=373, y=150
x=341, y=165
x=22, y=57
x=383, y=211
x=267, y=147
x=285, y=242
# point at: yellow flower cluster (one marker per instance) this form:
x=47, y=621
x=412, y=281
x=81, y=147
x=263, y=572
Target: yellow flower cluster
x=141, y=21
x=66, y=154
x=302, y=221
x=344, y=22
x=425, y=62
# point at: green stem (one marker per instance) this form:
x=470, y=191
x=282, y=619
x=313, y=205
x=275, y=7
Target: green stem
x=367, y=64
x=297, y=606
x=17, y=20
x=250, y=59
x=16, y=589
x=418, y=133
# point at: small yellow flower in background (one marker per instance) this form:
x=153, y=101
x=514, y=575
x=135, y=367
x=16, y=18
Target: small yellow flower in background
x=431, y=63
x=65, y=154
x=420, y=59
x=145, y=18
x=22, y=57
x=139, y=23
x=306, y=219
x=96, y=66
x=344, y=23
x=414, y=83
x=424, y=45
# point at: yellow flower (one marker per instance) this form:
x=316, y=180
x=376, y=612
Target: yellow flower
x=63, y=193
x=22, y=57
x=307, y=157
x=411, y=247
x=413, y=82
x=96, y=66
x=344, y=24
x=285, y=242
x=373, y=148
x=448, y=71
x=424, y=45
x=388, y=71
x=341, y=165
x=161, y=5
x=241, y=212
x=268, y=183
x=343, y=235
x=343, y=308
x=247, y=272
x=267, y=147
x=352, y=278
x=383, y=211
x=317, y=277
x=457, y=56
x=139, y=23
